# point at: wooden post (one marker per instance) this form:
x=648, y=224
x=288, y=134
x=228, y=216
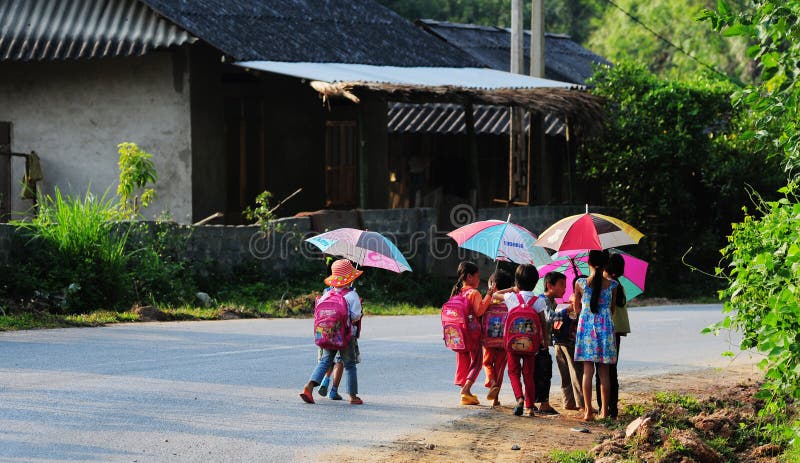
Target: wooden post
x=517, y=136
x=362, y=160
x=472, y=159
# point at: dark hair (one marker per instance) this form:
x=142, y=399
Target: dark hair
x=526, y=277
x=552, y=278
x=615, y=269
x=502, y=279
x=464, y=268
x=598, y=260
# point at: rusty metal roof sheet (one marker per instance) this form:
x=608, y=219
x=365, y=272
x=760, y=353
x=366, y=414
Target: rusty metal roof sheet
x=449, y=119
x=36, y=30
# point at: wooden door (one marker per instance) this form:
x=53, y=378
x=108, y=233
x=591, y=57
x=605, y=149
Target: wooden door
x=341, y=164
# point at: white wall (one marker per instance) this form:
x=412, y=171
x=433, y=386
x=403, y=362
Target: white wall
x=74, y=113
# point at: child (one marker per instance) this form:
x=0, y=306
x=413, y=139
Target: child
x=343, y=274
x=555, y=285
x=525, y=279
x=622, y=326
x=468, y=364
x=494, y=358
x=594, y=341
x=564, y=326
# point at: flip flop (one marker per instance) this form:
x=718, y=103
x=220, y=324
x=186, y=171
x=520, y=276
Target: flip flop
x=307, y=398
x=356, y=401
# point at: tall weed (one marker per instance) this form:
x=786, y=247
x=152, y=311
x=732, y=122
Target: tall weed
x=81, y=250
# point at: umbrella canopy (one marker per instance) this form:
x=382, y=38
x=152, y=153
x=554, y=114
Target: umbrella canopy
x=588, y=231
x=366, y=248
x=501, y=241
x=632, y=281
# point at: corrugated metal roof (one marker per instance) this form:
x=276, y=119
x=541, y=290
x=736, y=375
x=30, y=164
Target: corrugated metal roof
x=564, y=59
x=69, y=29
x=320, y=31
x=449, y=119
x=482, y=78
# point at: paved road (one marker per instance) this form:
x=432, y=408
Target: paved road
x=227, y=391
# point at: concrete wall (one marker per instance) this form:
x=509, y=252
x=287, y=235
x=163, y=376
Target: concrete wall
x=74, y=113
x=427, y=248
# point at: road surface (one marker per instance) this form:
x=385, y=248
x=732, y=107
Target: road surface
x=228, y=390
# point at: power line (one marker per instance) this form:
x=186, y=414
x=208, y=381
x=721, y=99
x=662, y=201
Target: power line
x=670, y=43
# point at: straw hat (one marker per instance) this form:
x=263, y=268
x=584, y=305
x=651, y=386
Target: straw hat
x=342, y=274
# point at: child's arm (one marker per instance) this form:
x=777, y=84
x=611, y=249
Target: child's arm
x=499, y=296
x=488, y=299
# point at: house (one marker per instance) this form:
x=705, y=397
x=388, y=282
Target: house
x=429, y=133
x=220, y=92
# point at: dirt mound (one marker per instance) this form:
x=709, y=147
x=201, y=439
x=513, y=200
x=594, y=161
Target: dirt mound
x=149, y=313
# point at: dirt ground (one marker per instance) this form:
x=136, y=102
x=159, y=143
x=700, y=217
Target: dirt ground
x=489, y=436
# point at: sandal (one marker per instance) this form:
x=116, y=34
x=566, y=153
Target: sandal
x=355, y=401
x=493, y=393
x=307, y=397
x=468, y=399
x=519, y=408
x=334, y=396
x=323, y=391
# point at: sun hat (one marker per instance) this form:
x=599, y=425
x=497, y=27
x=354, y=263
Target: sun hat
x=342, y=274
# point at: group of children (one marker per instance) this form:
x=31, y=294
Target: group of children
x=500, y=335
x=584, y=333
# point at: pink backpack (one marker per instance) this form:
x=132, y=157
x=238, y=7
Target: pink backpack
x=523, y=330
x=494, y=322
x=462, y=331
x=332, y=321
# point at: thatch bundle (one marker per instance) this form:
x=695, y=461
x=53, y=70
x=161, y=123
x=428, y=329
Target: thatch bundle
x=577, y=106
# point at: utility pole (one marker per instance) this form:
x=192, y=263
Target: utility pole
x=516, y=155
x=542, y=170
x=537, y=38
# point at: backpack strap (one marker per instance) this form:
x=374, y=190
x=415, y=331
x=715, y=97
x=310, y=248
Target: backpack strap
x=528, y=304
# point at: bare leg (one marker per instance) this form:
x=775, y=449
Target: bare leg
x=605, y=390
x=466, y=390
x=588, y=373
x=337, y=374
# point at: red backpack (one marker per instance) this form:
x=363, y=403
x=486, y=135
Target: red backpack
x=462, y=331
x=523, y=330
x=494, y=321
x=332, y=321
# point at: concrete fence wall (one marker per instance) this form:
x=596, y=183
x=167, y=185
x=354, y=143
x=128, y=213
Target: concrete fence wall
x=415, y=231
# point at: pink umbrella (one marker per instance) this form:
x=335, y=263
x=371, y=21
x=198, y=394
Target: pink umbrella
x=577, y=263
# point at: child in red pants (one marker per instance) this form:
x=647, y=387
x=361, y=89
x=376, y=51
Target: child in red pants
x=494, y=355
x=523, y=337
x=468, y=364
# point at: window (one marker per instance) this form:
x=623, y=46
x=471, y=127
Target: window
x=341, y=164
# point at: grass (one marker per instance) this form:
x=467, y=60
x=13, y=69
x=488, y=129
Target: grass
x=40, y=320
x=575, y=456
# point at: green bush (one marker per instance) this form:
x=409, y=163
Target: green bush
x=762, y=256
x=668, y=162
x=158, y=273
